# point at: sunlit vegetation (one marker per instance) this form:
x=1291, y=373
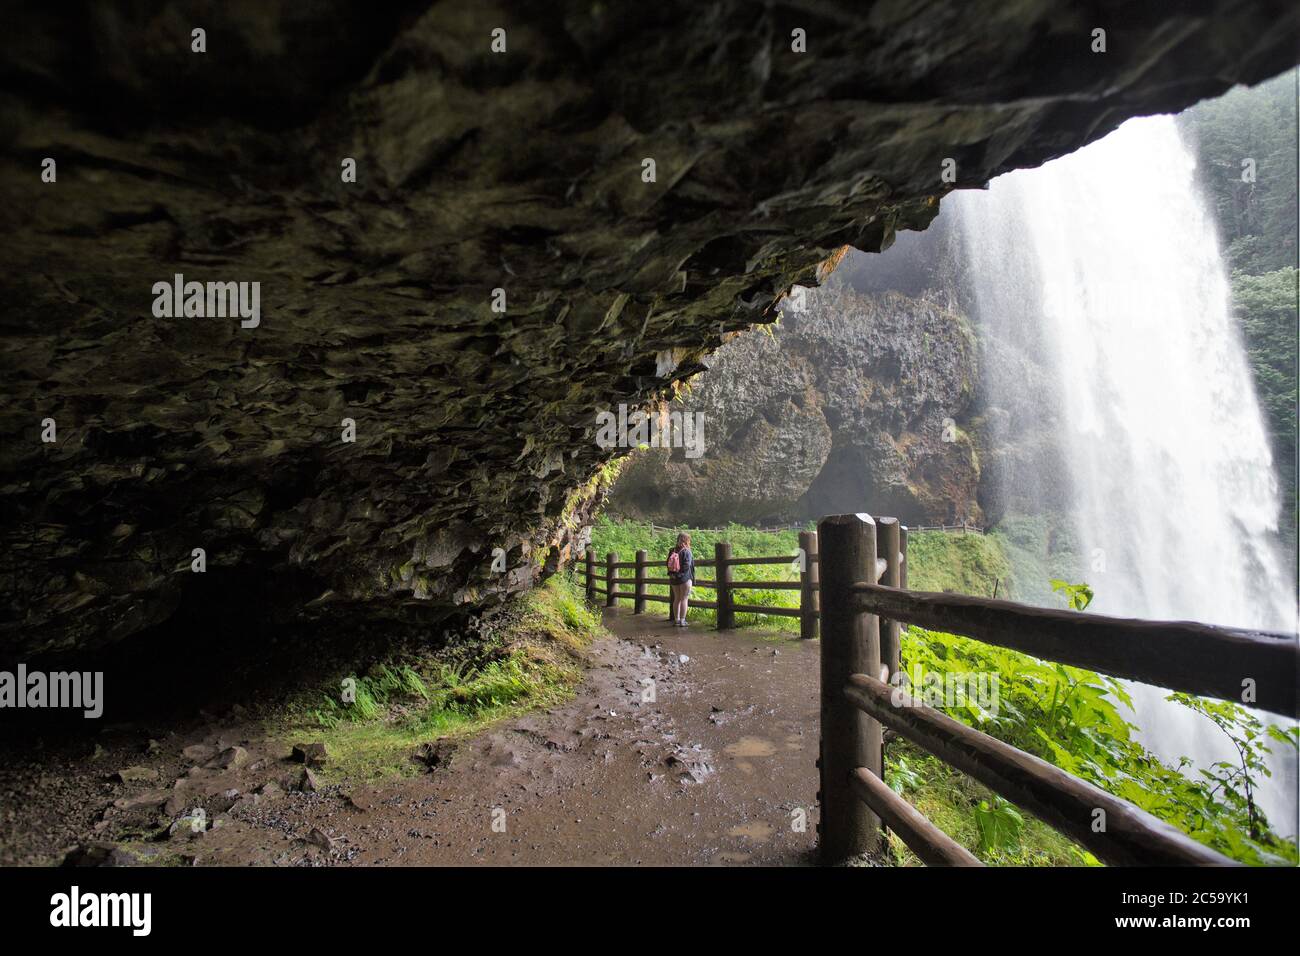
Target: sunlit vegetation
x=966, y=563
x=373, y=722
x=1071, y=718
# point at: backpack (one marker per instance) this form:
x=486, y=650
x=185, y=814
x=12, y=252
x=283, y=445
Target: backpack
x=674, y=562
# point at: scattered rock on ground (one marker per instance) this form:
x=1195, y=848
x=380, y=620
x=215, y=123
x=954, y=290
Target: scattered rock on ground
x=199, y=753
x=320, y=838
x=98, y=854
x=150, y=798
x=313, y=754
x=229, y=759
x=435, y=754
x=136, y=775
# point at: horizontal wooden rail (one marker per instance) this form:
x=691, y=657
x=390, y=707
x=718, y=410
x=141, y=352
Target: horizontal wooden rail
x=1195, y=658
x=951, y=528
x=861, y=614
x=1124, y=835
x=603, y=582
x=777, y=530
x=772, y=559
x=761, y=609
x=735, y=585
x=927, y=841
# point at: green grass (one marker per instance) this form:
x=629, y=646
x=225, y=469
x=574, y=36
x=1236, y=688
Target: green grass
x=626, y=537
x=530, y=658
x=951, y=801
x=1039, y=548
x=968, y=564
x=965, y=563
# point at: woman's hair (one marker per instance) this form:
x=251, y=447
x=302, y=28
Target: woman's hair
x=683, y=540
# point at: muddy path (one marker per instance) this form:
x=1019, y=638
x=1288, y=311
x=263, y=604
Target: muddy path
x=681, y=747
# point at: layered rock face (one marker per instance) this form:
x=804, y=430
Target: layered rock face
x=856, y=399
x=474, y=465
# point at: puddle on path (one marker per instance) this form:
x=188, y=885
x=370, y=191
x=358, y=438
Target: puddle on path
x=750, y=747
x=758, y=830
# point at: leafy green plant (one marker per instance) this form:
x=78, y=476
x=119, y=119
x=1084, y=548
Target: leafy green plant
x=527, y=659
x=901, y=776
x=1070, y=717
x=1077, y=596
x=1234, y=784
x=999, y=824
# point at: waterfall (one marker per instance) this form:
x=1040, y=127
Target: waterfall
x=1104, y=268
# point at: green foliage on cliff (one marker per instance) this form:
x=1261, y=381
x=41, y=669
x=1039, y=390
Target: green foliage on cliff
x=1266, y=308
x=1246, y=161
x=1245, y=143
x=965, y=563
x=1266, y=305
x=1040, y=549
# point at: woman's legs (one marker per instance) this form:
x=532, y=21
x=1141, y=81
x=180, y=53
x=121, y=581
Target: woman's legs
x=681, y=594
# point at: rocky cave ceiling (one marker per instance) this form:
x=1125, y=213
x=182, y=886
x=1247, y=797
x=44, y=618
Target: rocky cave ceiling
x=476, y=170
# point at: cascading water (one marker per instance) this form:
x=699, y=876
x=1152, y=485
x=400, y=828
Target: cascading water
x=1104, y=267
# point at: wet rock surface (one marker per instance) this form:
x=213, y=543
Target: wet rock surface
x=475, y=171
x=856, y=398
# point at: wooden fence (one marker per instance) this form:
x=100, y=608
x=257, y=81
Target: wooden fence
x=864, y=599
x=722, y=583
x=962, y=528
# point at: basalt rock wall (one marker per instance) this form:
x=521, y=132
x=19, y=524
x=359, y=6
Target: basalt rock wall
x=856, y=400
x=520, y=168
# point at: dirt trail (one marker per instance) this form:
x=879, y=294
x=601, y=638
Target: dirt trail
x=720, y=768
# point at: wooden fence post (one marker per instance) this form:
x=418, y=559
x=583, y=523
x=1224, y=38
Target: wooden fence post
x=808, y=578
x=638, y=603
x=591, y=575
x=850, y=645
x=722, y=574
x=902, y=549
x=889, y=541
x=610, y=560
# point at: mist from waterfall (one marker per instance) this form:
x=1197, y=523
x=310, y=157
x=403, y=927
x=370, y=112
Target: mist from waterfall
x=1105, y=268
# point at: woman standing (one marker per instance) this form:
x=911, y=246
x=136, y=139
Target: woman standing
x=681, y=572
